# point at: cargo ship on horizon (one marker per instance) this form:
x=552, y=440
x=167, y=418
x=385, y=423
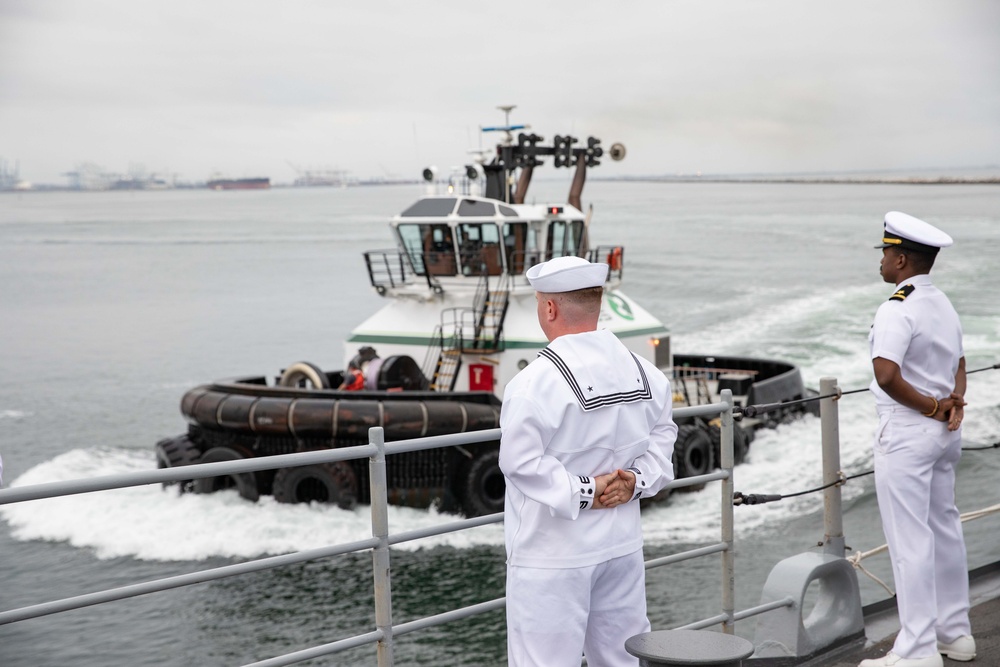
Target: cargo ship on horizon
x=239, y=184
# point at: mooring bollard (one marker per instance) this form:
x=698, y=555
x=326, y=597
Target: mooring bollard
x=673, y=648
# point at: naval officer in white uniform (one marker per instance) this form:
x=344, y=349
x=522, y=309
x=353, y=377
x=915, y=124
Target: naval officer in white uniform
x=919, y=365
x=586, y=430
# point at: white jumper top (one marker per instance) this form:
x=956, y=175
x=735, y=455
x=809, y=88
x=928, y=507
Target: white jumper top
x=587, y=406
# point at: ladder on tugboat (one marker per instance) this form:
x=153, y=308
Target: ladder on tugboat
x=683, y=375
x=491, y=308
x=442, y=361
x=478, y=329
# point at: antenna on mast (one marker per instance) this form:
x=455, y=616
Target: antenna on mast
x=507, y=108
x=507, y=128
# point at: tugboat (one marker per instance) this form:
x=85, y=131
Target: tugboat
x=458, y=301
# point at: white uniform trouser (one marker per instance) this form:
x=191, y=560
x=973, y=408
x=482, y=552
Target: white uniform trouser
x=915, y=459
x=554, y=616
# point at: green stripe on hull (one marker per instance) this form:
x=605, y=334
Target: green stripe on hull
x=508, y=344
x=391, y=340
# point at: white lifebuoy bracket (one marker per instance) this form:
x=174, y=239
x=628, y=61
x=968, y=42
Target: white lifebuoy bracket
x=303, y=370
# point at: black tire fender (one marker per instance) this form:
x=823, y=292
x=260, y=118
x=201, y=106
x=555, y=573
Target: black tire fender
x=244, y=482
x=322, y=482
x=301, y=371
x=741, y=443
x=483, y=487
x=692, y=451
x=173, y=452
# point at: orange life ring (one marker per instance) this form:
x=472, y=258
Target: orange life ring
x=615, y=258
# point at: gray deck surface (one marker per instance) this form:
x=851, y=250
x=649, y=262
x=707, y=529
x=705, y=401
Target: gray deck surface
x=985, y=628
x=881, y=628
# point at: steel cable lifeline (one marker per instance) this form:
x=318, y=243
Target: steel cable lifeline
x=763, y=408
x=740, y=498
x=855, y=559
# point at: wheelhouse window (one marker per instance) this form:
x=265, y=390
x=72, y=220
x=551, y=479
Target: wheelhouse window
x=479, y=248
x=520, y=245
x=431, y=207
x=473, y=208
x=564, y=239
x=430, y=248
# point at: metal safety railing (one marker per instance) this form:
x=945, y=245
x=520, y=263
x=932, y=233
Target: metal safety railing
x=381, y=540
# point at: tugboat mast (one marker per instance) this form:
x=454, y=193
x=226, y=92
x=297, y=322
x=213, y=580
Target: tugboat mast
x=525, y=154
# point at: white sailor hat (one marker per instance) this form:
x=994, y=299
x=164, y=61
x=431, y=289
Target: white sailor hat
x=566, y=274
x=905, y=231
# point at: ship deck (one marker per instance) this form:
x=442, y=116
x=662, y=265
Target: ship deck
x=882, y=625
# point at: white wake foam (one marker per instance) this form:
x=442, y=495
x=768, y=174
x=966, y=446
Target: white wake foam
x=152, y=523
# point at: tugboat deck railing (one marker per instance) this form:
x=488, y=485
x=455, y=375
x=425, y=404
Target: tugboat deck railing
x=394, y=269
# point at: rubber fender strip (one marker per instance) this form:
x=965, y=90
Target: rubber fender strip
x=426, y=424
x=192, y=403
x=253, y=422
x=465, y=417
x=336, y=417
x=218, y=410
x=291, y=418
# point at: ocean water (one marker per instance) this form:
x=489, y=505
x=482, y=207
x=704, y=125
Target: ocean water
x=114, y=304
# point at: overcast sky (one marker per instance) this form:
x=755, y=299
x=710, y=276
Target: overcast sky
x=385, y=88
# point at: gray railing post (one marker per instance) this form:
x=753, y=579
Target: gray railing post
x=380, y=554
x=833, y=520
x=728, y=559
x=835, y=617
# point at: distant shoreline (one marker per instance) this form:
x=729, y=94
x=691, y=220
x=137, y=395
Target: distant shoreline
x=43, y=187
x=938, y=180
x=750, y=180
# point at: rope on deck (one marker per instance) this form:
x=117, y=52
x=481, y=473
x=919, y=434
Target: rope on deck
x=858, y=556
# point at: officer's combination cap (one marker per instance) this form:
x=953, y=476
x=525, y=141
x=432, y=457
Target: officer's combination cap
x=905, y=231
x=566, y=274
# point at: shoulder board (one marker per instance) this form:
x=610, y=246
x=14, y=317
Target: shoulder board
x=902, y=293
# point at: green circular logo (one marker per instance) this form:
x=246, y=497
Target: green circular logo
x=620, y=307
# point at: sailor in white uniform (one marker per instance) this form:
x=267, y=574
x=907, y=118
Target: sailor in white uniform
x=586, y=430
x=919, y=366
